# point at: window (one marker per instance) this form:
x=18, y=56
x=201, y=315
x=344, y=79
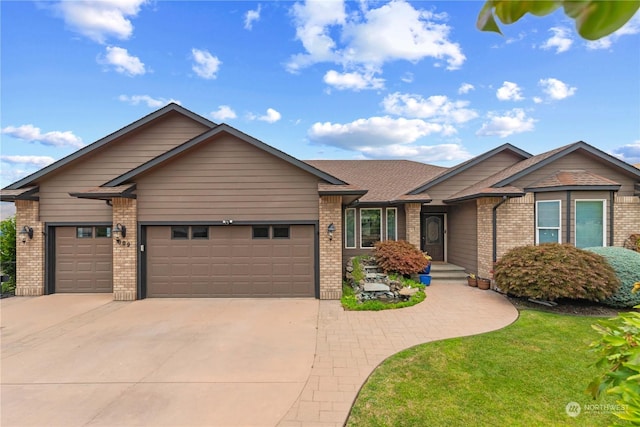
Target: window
x=260, y=231
x=350, y=228
x=590, y=223
x=392, y=224
x=84, y=232
x=370, y=227
x=103, y=231
x=199, y=232
x=280, y=231
x=179, y=232
x=548, y=221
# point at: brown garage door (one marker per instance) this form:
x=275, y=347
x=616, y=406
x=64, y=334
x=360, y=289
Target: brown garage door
x=83, y=259
x=230, y=261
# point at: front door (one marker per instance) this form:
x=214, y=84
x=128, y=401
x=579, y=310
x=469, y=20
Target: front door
x=433, y=236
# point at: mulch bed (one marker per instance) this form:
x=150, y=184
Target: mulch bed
x=571, y=307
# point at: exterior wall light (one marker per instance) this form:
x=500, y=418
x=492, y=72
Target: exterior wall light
x=330, y=229
x=26, y=232
x=119, y=232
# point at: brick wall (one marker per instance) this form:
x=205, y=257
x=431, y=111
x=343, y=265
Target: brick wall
x=626, y=218
x=330, y=250
x=412, y=214
x=125, y=253
x=29, y=255
x=515, y=220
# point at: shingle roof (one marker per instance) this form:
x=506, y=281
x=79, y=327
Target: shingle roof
x=26, y=193
x=573, y=178
x=385, y=180
x=106, y=193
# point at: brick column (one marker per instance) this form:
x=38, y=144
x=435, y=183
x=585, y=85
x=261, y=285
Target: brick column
x=125, y=253
x=516, y=223
x=412, y=213
x=485, y=235
x=330, y=250
x=626, y=218
x=30, y=254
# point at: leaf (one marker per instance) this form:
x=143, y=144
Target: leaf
x=485, y=21
x=597, y=19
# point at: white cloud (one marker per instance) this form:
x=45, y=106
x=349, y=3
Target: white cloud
x=537, y=100
x=7, y=210
x=629, y=153
x=354, y=81
x=421, y=153
x=99, y=20
x=206, y=65
x=38, y=161
x=224, y=112
x=514, y=121
x=123, y=63
x=509, y=92
x=556, y=89
x=630, y=28
x=437, y=108
x=30, y=133
x=375, y=132
x=371, y=37
x=146, y=99
x=465, y=88
x=561, y=40
x=271, y=116
x=251, y=16
x=407, y=77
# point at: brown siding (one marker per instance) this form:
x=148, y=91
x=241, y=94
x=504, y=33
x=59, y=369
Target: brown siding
x=227, y=178
x=462, y=234
x=471, y=176
x=580, y=161
x=107, y=163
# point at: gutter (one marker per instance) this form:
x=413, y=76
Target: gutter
x=495, y=227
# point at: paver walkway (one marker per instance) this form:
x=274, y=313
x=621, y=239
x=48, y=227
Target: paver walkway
x=351, y=344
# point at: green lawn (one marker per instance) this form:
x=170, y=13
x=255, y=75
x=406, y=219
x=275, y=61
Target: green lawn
x=522, y=375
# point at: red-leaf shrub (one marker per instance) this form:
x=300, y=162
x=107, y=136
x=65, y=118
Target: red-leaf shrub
x=551, y=271
x=399, y=256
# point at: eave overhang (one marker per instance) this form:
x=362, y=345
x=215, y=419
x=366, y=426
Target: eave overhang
x=107, y=193
x=11, y=195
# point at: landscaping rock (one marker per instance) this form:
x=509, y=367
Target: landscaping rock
x=376, y=287
x=407, y=292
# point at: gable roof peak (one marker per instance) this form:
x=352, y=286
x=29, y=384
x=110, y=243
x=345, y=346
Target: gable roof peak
x=161, y=112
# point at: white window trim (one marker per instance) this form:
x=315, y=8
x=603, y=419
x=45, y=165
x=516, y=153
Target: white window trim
x=559, y=228
x=604, y=219
x=355, y=223
x=360, y=216
x=386, y=223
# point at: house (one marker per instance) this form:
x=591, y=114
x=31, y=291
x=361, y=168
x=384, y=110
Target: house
x=174, y=205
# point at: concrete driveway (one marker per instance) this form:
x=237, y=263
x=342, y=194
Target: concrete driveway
x=85, y=360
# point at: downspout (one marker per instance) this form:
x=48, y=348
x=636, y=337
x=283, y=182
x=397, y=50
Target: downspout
x=568, y=219
x=495, y=227
x=611, y=213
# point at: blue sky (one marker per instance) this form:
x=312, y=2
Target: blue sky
x=318, y=80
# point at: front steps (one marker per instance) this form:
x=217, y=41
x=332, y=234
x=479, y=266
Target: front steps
x=447, y=273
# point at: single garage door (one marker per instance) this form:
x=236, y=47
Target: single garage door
x=83, y=259
x=231, y=261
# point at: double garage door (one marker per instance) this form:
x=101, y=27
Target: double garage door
x=230, y=261
x=196, y=261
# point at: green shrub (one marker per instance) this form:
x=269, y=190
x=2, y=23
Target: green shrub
x=619, y=352
x=551, y=271
x=8, y=253
x=626, y=264
x=399, y=256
